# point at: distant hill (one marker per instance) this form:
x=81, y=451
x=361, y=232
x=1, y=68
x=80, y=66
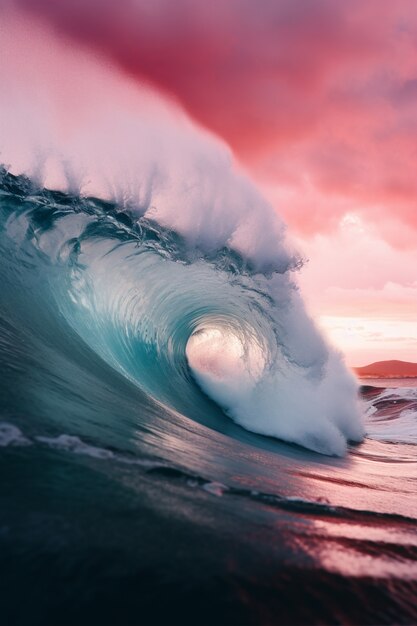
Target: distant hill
x=387, y=369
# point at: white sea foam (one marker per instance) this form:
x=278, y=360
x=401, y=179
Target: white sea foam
x=319, y=413
x=11, y=435
x=302, y=393
x=74, y=444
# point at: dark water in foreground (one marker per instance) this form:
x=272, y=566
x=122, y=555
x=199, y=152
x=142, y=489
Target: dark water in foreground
x=115, y=509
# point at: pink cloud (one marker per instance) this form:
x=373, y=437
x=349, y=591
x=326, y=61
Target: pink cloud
x=354, y=259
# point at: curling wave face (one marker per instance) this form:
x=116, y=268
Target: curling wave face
x=188, y=326
x=172, y=266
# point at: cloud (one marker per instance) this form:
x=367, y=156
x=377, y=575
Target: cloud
x=353, y=269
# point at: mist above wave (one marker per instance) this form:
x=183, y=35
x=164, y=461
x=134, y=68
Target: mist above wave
x=73, y=123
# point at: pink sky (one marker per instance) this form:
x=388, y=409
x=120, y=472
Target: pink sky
x=318, y=100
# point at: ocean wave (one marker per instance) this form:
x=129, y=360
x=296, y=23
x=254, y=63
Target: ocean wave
x=177, y=320
x=391, y=415
x=166, y=259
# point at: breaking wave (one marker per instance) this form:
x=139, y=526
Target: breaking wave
x=180, y=322
x=171, y=265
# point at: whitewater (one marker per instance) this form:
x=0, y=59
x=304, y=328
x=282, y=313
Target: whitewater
x=172, y=420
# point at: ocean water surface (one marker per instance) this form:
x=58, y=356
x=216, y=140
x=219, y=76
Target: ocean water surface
x=177, y=443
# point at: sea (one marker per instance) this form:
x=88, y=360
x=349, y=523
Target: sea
x=151, y=478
